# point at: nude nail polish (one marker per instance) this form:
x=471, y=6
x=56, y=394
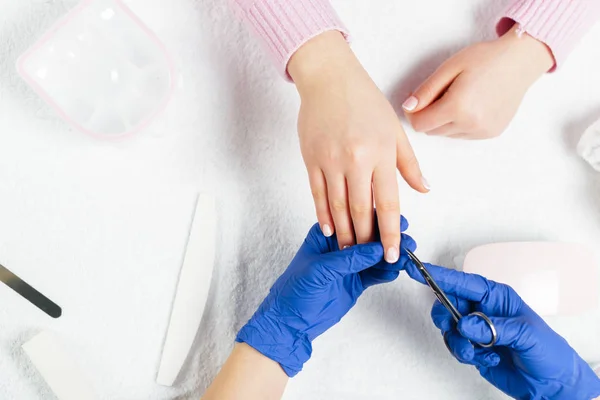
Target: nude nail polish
x=411, y=103
x=327, y=230
x=425, y=182
x=391, y=256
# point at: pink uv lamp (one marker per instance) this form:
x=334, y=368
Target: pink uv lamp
x=553, y=278
x=101, y=69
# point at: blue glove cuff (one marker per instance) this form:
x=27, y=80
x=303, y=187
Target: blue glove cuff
x=290, y=350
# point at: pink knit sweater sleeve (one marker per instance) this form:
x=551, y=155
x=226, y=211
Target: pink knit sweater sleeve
x=285, y=25
x=559, y=24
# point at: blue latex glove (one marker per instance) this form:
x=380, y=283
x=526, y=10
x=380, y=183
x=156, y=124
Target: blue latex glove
x=530, y=360
x=318, y=288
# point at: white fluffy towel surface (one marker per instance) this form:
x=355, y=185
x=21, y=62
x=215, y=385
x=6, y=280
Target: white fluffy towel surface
x=100, y=227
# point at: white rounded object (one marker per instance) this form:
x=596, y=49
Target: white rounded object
x=192, y=291
x=101, y=69
x=553, y=278
x=589, y=146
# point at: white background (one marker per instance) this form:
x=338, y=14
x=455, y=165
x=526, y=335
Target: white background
x=101, y=227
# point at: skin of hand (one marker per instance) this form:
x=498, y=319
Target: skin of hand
x=319, y=287
x=247, y=375
x=529, y=360
x=476, y=93
x=352, y=142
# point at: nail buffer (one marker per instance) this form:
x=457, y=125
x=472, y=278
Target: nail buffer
x=29, y=293
x=192, y=291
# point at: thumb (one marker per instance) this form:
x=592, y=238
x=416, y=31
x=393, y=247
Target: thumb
x=352, y=260
x=515, y=333
x=433, y=87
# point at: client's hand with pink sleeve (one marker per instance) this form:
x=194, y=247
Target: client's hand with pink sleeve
x=352, y=143
x=476, y=93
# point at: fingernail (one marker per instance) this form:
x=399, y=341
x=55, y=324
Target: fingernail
x=425, y=182
x=391, y=256
x=411, y=103
x=345, y=247
x=327, y=230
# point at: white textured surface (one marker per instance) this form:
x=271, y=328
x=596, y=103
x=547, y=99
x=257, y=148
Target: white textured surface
x=59, y=369
x=78, y=221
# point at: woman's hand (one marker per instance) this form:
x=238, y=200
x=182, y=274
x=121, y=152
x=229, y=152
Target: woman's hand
x=476, y=93
x=352, y=142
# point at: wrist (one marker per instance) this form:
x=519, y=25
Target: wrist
x=279, y=342
x=320, y=60
x=533, y=55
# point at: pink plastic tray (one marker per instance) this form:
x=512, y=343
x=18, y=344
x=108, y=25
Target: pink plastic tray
x=101, y=69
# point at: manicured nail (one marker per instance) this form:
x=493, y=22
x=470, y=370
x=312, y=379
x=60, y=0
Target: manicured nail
x=391, y=256
x=327, y=230
x=411, y=103
x=425, y=182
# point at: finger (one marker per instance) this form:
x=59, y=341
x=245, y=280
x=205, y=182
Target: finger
x=352, y=260
x=433, y=117
x=408, y=165
x=403, y=223
x=374, y=276
x=317, y=242
x=442, y=318
x=511, y=332
x=433, y=87
x=444, y=130
x=464, y=351
x=403, y=227
x=387, y=203
x=338, y=204
x=460, y=347
x=318, y=186
x=360, y=193
x=467, y=286
x=407, y=242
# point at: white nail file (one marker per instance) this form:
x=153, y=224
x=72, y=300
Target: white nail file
x=57, y=368
x=192, y=291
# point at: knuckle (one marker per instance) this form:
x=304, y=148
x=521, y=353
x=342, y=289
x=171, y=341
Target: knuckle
x=318, y=194
x=410, y=162
x=390, y=236
x=331, y=156
x=426, y=90
x=356, y=154
x=360, y=209
x=339, y=205
x=391, y=206
x=344, y=235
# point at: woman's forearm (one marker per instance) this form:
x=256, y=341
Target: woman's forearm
x=247, y=375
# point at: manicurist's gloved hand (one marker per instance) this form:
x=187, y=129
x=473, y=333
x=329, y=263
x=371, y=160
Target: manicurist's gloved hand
x=529, y=361
x=319, y=287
